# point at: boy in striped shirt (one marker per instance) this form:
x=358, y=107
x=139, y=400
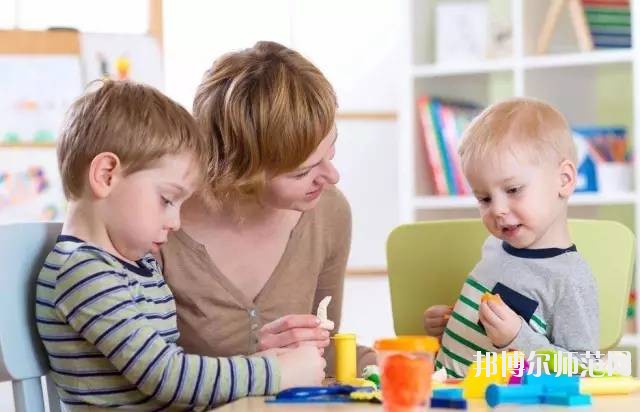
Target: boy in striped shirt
x=129, y=157
x=519, y=159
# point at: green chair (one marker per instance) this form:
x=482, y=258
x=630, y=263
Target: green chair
x=429, y=261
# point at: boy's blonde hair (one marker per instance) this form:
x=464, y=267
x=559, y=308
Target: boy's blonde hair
x=136, y=122
x=266, y=109
x=525, y=123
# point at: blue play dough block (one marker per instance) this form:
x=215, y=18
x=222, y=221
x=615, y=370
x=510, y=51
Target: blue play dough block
x=449, y=393
x=448, y=403
x=570, y=400
x=566, y=384
x=545, y=389
x=513, y=394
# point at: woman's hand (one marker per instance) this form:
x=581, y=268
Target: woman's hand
x=292, y=331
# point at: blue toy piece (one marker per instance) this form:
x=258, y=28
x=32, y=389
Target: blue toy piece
x=567, y=400
x=318, y=394
x=447, y=393
x=513, y=394
x=543, y=389
x=448, y=403
x=565, y=384
x=450, y=398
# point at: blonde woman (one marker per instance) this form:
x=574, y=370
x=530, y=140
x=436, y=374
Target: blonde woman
x=269, y=238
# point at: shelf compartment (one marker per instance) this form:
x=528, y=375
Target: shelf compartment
x=469, y=202
x=593, y=58
x=457, y=69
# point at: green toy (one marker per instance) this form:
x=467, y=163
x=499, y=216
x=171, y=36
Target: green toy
x=372, y=373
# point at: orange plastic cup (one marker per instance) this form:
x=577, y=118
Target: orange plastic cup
x=406, y=366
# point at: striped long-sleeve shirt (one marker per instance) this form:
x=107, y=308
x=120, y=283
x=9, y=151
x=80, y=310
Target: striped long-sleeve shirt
x=109, y=328
x=558, y=280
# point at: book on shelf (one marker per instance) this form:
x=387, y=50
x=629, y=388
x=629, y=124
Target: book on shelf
x=609, y=22
x=604, y=160
x=442, y=123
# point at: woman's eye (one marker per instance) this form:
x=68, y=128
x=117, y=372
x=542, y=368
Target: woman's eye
x=513, y=190
x=484, y=200
x=166, y=201
x=303, y=174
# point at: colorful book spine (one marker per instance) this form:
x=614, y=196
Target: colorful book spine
x=452, y=138
x=432, y=152
x=436, y=117
x=443, y=123
x=609, y=22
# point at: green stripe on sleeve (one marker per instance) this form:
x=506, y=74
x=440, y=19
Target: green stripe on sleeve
x=468, y=323
x=449, y=371
x=469, y=302
x=471, y=282
x=464, y=341
x=456, y=357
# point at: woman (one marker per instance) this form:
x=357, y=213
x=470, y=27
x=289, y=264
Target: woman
x=269, y=238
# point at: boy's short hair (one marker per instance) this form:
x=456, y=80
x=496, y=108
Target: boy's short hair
x=266, y=109
x=521, y=122
x=136, y=122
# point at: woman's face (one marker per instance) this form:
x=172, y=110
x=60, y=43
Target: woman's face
x=300, y=189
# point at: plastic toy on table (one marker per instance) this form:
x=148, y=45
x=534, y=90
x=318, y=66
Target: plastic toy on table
x=372, y=374
x=406, y=365
x=544, y=389
x=448, y=398
x=479, y=377
x=318, y=394
x=614, y=385
x=346, y=359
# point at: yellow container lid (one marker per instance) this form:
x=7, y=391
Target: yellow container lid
x=344, y=336
x=408, y=344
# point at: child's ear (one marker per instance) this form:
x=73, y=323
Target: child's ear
x=104, y=170
x=568, y=176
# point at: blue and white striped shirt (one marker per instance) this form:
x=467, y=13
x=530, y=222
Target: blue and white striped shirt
x=109, y=328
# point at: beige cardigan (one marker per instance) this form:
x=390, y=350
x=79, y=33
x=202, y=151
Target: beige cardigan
x=217, y=319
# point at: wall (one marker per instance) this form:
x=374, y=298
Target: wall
x=360, y=62
x=356, y=44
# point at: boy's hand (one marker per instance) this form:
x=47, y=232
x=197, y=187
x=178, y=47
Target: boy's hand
x=435, y=319
x=303, y=366
x=500, y=322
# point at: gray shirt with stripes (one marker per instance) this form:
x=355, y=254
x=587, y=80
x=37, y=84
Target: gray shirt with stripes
x=109, y=328
x=566, y=318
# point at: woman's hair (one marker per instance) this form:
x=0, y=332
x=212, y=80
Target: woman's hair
x=266, y=109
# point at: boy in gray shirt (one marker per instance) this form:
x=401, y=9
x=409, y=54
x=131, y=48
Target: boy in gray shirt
x=519, y=158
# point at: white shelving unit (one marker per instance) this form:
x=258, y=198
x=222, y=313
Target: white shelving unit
x=597, y=87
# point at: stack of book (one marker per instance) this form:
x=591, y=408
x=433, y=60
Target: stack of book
x=603, y=158
x=442, y=123
x=609, y=22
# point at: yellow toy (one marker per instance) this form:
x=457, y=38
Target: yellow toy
x=474, y=387
x=618, y=385
x=346, y=365
x=373, y=396
x=360, y=383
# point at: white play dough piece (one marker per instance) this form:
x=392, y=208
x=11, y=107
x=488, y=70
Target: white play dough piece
x=440, y=375
x=322, y=314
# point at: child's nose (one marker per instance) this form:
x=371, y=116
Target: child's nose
x=500, y=208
